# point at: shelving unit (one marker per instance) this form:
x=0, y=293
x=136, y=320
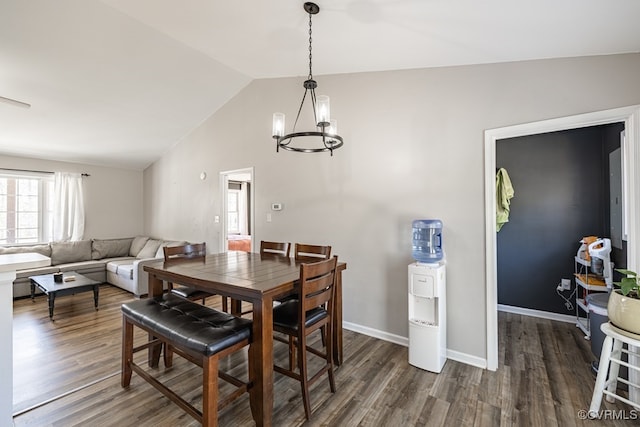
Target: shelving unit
x=584, y=286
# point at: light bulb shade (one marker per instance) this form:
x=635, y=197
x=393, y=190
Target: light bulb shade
x=323, y=110
x=333, y=127
x=278, y=125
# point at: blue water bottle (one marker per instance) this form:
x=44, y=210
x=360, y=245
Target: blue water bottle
x=427, y=240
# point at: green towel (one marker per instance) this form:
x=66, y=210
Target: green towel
x=504, y=193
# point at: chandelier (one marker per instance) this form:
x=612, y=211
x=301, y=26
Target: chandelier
x=325, y=137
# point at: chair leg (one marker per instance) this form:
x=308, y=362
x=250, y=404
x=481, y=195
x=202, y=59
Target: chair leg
x=329, y=355
x=292, y=354
x=614, y=370
x=127, y=352
x=225, y=306
x=210, y=391
x=304, y=380
x=603, y=368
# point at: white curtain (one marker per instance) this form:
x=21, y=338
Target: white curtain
x=68, y=207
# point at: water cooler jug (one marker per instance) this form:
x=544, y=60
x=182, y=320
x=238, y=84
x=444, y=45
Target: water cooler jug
x=427, y=316
x=427, y=240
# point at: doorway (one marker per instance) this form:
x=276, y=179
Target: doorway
x=237, y=195
x=631, y=153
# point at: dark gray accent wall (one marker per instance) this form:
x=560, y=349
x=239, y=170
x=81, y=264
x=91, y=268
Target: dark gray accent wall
x=561, y=194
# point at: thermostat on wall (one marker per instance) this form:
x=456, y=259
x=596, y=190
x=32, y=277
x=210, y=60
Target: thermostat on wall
x=276, y=206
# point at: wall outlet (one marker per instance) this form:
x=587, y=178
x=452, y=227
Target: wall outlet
x=566, y=284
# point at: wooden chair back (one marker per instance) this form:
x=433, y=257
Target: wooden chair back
x=275, y=248
x=316, y=287
x=311, y=253
x=185, y=252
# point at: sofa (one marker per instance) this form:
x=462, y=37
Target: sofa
x=119, y=262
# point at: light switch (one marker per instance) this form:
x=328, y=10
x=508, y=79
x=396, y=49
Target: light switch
x=268, y=217
x=216, y=219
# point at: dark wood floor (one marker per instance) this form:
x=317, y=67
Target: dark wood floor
x=544, y=378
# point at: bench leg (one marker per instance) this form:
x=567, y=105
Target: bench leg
x=210, y=391
x=127, y=352
x=167, y=355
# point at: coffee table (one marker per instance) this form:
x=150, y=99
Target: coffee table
x=53, y=289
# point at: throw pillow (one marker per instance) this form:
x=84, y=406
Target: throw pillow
x=137, y=245
x=66, y=252
x=110, y=248
x=149, y=250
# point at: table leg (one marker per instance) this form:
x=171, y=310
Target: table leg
x=236, y=307
x=261, y=362
x=51, y=298
x=33, y=290
x=96, y=292
x=155, y=290
x=337, y=320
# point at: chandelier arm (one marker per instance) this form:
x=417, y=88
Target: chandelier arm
x=313, y=105
x=304, y=96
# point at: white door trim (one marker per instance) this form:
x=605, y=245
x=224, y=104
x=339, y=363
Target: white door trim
x=224, y=186
x=631, y=117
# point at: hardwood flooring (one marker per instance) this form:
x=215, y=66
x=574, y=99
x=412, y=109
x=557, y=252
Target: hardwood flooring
x=544, y=378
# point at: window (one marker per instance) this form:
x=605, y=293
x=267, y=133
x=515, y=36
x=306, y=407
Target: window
x=25, y=207
x=233, y=211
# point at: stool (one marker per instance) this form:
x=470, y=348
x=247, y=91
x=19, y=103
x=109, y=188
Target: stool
x=610, y=361
x=198, y=333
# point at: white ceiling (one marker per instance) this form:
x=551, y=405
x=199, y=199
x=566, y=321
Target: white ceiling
x=119, y=82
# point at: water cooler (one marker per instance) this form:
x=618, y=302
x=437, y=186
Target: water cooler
x=427, y=298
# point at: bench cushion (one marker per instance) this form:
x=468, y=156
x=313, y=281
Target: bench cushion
x=187, y=324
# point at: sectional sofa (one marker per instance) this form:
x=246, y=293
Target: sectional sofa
x=119, y=262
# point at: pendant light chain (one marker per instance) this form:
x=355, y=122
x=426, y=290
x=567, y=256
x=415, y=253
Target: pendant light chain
x=310, y=55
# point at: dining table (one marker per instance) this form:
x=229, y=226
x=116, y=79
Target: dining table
x=257, y=279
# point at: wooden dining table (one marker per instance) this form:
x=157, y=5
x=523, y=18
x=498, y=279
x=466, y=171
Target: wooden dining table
x=257, y=279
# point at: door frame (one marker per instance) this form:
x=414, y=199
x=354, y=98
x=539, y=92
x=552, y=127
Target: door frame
x=631, y=155
x=224, y=189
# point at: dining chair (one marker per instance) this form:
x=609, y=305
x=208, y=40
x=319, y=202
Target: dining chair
x=307, y=253
x=276, y=248
x=298, y=318
x=175, y=254
x=311, y=253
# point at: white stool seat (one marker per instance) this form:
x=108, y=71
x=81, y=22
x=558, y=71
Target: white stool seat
x=610, y=361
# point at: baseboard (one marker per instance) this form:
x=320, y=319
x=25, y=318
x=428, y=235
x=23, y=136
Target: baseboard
x=467, y=359
x=404, y=341
x=537, y=313
x=376, y=333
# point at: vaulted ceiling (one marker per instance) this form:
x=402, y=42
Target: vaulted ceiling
x=119, y=82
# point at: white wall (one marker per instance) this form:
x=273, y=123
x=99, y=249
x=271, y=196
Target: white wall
x=413, y=149
x=113, y=197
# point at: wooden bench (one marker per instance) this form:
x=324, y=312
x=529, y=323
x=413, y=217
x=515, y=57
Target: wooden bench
x=198, y=333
